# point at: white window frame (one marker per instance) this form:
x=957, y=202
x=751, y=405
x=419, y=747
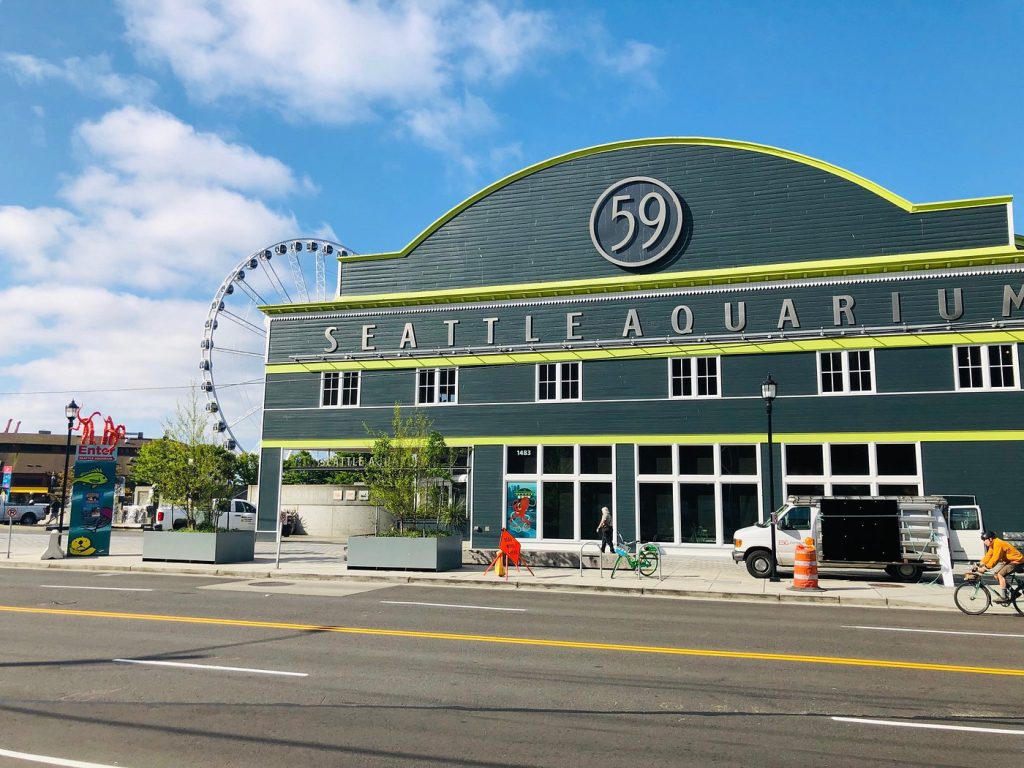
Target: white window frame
x=436, y=387
x=341, y=377
x=718, y=479
x=558, y=383
x=694, y=377
x=827, y=480
x=844, y=357
x=986, y=368
x=577, y=478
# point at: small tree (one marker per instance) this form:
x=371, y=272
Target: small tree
x=247, y=469
x=185, y=467
x=405, y=465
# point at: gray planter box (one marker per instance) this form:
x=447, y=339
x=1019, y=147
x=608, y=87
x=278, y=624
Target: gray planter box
x=194, y=547
x=400, y=553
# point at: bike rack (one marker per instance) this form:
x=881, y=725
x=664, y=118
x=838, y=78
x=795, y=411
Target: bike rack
x=600, y=557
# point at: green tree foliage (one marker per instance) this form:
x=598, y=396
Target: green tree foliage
x=302, y=468
x=247, y=469
x=184, y=466
x=407, y=466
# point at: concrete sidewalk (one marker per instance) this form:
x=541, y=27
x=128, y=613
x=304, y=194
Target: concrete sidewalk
x=709, y=577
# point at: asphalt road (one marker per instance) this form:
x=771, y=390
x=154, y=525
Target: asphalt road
x=340, y=674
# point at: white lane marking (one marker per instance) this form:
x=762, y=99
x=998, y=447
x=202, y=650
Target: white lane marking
x=211, y=666
x=52, y=760
x=934, y=631
x=930, y=726
x=448, y=605
x=107, y=589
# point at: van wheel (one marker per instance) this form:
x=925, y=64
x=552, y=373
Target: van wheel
x=905, y=572
x=28, y=519
x=759, y=564
x=179, y=524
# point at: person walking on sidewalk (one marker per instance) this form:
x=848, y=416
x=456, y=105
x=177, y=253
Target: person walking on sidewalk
x=604, y=527
x=999, y=551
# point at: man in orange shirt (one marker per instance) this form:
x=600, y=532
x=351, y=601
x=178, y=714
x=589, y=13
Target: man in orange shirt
x=999, y=551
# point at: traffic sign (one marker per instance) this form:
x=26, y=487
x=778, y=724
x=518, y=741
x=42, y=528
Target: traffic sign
x=12, y=513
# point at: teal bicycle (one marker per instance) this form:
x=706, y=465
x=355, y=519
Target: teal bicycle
x=644, y=562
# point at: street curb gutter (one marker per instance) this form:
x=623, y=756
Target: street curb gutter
x=391, y=578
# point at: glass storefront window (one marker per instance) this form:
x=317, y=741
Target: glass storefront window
x=849, y=459
x=558, y=513
x=844, y=489
x=655, y=460
x=656, y=523
x=697, y=512
x=898, y=459
x=593, y=496
x=558, y=460
x=521, y=460
x=739, y=460
x=804, y=460
x=595, y=459
x=899, y=490
x=696, y=459
x=739, y=507
x=805, y=489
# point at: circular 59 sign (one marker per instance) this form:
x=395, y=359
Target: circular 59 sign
x=636, y=221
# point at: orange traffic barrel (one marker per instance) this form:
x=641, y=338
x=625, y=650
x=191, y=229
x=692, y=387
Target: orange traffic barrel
x=805, y=568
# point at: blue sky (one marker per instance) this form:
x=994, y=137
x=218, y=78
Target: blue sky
x=148, y=146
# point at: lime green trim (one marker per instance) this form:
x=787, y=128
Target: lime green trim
x=821, y=268
x=696, y=349
x=748, y=146
x=998, y=435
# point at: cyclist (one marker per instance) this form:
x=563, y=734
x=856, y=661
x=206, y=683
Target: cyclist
x=998, y=551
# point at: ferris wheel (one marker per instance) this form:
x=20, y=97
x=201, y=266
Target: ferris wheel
x=288, y=272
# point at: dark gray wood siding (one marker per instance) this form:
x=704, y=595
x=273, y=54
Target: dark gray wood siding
x=605, y=318
x=488, y=511
x=742, y=207
x=630, y=397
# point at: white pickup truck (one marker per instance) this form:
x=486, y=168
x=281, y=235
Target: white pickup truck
x=240, y=515
x=898, y=534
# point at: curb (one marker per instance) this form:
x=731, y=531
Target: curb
x=471, y=582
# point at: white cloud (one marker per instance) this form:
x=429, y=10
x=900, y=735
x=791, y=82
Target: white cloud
x=111, y=290
x=341, y=62
x=91, y=75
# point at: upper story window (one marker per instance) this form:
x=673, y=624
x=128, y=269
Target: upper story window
x=991, y=366
x=846, y=372
x=437, y=386
x=694, y=377
x=558, y=381
x=339, y=389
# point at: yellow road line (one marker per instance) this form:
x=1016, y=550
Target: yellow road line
x=665, y=650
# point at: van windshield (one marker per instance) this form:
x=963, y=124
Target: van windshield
x=768, y=522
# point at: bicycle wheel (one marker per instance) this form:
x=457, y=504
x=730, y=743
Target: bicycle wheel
x=649, y=562
x=1017, y=601
x=972, y=599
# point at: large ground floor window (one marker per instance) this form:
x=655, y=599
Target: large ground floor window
x=555, y=492
x=852, y=469
x=697, y=494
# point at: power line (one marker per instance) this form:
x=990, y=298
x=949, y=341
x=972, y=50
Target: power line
x=128, y=389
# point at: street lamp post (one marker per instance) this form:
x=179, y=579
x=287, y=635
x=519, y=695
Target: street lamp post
x=70, y=411
x=769, y=389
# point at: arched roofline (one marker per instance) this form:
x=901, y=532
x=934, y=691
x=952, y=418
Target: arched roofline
x=746, y=146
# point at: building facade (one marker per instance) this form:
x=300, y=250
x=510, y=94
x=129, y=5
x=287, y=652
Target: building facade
x=595, y=330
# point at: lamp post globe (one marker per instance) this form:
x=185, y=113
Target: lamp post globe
x=769, y=389
x=70, y=412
